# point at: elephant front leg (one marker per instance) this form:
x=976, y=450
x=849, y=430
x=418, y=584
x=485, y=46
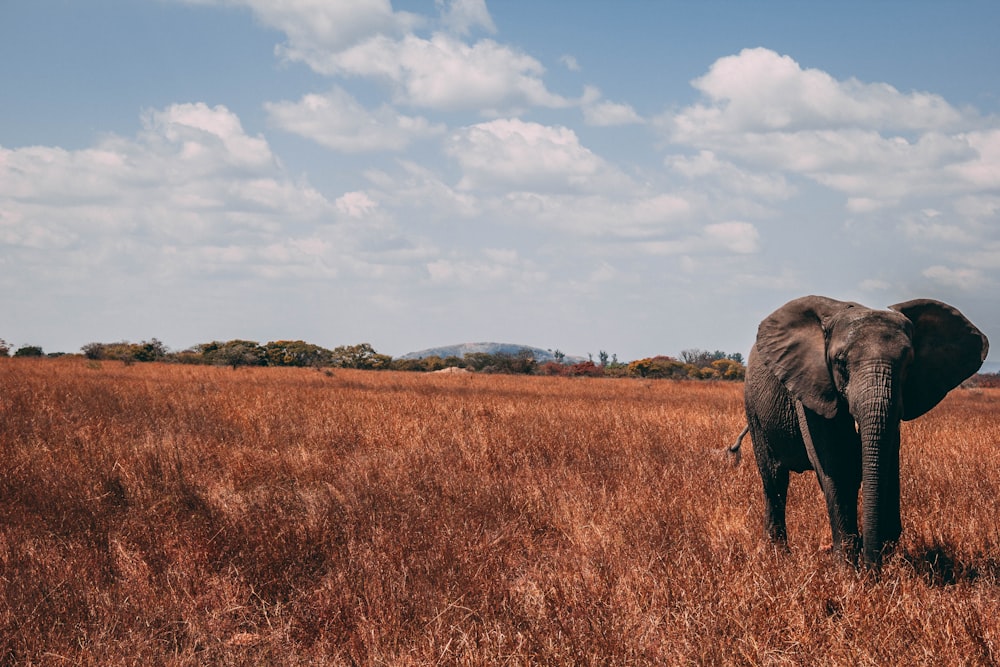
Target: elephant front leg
x=842, y=508
x=834, y=450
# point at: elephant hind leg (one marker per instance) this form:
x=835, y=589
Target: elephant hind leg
x=774, y=475
x=775, y=483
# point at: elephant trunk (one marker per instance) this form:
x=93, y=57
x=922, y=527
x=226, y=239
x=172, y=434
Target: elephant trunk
x=877, y=413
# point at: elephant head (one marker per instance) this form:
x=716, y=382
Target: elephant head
x=880, y=366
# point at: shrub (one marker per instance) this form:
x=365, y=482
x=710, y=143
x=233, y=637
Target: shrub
x=296, y=353
x=362, y=356
x=233, y=353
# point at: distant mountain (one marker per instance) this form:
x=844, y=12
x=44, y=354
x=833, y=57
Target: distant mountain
x=462, y=349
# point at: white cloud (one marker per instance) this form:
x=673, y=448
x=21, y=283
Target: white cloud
x=447, y=74
x=177, y=154
x=932, y=229
x=961, y=277
x=738, y=237
x=315, y=29
x=871, y=142
x=707, y=167
x=625, y=217
x=606, y=114
x=368, y=38
x=336, y=120
x=495, y=270
x=874, y=285
x=196, y=127
x=511, y=153
x=356, y=204
x=461, y=16
x=982, y=170
x=868, y=204
x=759, y=90
x=192, y=194
x=570, y=62
x=985, y=258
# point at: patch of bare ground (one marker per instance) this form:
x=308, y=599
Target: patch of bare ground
x=159, y=514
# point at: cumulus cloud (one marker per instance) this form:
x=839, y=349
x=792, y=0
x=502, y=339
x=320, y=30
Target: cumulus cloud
x=706, y=167
x=570, y=62
x=956, y=277
x=512, y=153
x=869, y=141
x=336, y=120
x=191, y=194
x=734, y=237
x=367, y=38
x=462, y=16
x=606, y=114
x=496, y=268
x=356, y=204
x=624, y=217
x=315, y=29
x=176, y=155
x=445, y=73
x=759, y=90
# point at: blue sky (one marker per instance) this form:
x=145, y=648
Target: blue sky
x=635, y=177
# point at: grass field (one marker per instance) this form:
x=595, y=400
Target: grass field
x=167, y=514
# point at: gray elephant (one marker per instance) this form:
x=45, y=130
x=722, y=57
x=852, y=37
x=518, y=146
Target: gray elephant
x=827, y=384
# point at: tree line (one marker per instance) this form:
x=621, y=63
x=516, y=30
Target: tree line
x=692, y=364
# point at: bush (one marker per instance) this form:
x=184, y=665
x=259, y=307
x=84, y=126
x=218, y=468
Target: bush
x=151, y=350
x=362, y=356
x=514, y=364
x=658, y=367
x=233, y=353
x=296, y=353
x=29, y=351
x=586, y=369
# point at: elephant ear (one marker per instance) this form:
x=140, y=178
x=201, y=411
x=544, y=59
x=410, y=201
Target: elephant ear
x=791, y=342
x=947, y=348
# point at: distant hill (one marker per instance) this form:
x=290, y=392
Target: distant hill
x=462, y=349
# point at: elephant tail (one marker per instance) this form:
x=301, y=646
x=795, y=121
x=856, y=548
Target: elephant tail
x=733, y=451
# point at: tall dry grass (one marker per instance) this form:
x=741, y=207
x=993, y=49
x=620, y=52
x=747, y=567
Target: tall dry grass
x=155, y=514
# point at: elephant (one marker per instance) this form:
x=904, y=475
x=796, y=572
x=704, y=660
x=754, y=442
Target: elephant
x=827, y=383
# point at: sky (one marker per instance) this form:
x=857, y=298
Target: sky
x=636, y=177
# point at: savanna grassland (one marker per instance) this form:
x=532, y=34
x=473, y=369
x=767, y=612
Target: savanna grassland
x=170, y=514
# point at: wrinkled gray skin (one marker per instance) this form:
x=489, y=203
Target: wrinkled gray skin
x=827, y=384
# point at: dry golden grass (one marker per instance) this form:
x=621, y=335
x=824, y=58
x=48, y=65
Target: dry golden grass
x=156, y=514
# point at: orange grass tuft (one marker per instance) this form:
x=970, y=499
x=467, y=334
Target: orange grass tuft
x=157, y=514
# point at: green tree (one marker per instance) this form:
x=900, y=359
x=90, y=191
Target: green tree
x=659, y=367
x=729, y=369
x=29, y=351
x=149, y=350
x=94, y=351
x=296, y=353
x=233, y=353
x=361, y=356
